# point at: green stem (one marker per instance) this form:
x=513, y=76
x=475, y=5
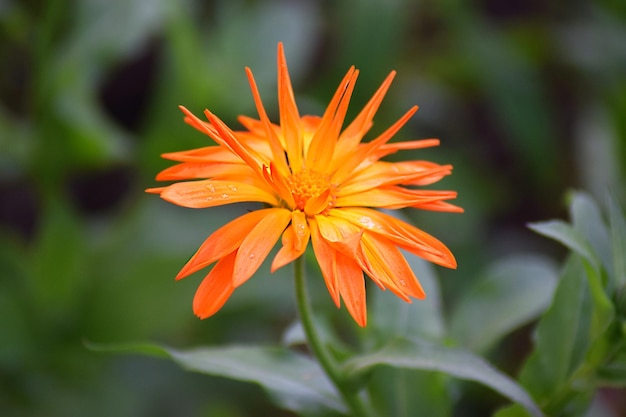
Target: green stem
x=325, y=359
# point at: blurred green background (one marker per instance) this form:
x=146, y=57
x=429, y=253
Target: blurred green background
x=528, y=98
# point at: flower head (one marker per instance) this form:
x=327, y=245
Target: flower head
x=320, y=183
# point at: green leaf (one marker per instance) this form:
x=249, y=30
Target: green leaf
x=514, y=410
x=294, y=381
x=587, y=219
x=603, y=310
x=568, y=236
x=391, y=317
x=422, y=355
x=399, y=392
x=614, y=374
x=518, y=288
x=562, y=336
x=617, y=222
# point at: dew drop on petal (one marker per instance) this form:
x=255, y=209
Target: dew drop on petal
x=367, y=222
x=211, y=188
x=252, y=256
x=232, y=187
x=403, y=282
x=225, y=196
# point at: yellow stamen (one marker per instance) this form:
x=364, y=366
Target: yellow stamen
x=309, y=184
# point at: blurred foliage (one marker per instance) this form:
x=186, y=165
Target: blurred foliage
x=528, y=98
x=580, y=342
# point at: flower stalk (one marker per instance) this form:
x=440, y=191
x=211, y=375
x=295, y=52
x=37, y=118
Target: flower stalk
x=317, y=346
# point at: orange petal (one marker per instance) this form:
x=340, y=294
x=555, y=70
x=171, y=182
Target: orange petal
x=223, y=241
x=390, y=148
x=295, y=240
x=288, y=252
x=155, y=190
x=206, y=128
x=390, y=267
x=278, y=153
x=439, y=206
x=335, y=229
x=356, y=157
x=197, y=170
x=250, y=157
x=289, y=117
x=325, y=256
x=206, y=154
x=212, y=193
x=318, y=204
x=258, y=243
x=353, y=134
x=393, y=197
x=391, y=173
x=399, y=232
x=321, y=149
x=215, y=289
x=225, y=137
x=352, y=287
x=278, y=183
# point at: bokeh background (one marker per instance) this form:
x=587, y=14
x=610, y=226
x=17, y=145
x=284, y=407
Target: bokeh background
x=527, y=97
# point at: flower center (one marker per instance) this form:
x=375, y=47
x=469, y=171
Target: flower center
x=308, y=184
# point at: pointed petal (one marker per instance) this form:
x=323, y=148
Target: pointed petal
x=320, y=151
x=325, y=256
x=335, y=244
x=389, y=266
x=222, y=242
x=399, y=232
x=289, y=117
x=253, y=159
x=353, y=134
x=439, y=206
x=393, y=197
x=351, y=247
x=197, y=170
x=206, y=128
x=316, y=205
x=155, y=190
x=215, y=289
x=278, y=153
x=391, y=173
x=390, y=148
x=295, y=240
x=225, y=137
x=352, y=159
x=335, y=229
x=258, y=243
x=212, y=193
x=255, y=126
x=282, y=186
x=206, y=154
x=352, y=288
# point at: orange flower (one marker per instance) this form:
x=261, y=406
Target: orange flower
x=319, y=184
